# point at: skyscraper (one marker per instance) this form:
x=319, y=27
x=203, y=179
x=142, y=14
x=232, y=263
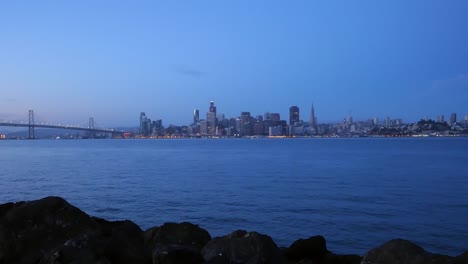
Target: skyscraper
x=196, y=116
x=293, y=115
x=212, y=107
x=145, y=124
x=211, y=122
x=211, y=119
x=313, y=119
x=245, y=125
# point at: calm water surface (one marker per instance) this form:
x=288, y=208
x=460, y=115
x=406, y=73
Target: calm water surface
x=358, y=193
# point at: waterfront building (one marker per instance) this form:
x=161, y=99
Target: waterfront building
x=258, y=128
x=145, y=125
x=203, y=127
x=275, y=131
x=245, y=125
x=211, y=122
x=293, y=115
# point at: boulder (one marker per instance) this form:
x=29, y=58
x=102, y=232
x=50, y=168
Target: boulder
x=331, y=258
x=313, y=248
x=400, y=251
x=176, y=243
x=461, y=259
x=242, y=247
x=51, y=230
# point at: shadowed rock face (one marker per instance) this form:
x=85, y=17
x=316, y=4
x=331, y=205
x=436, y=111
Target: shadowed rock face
x=176, y=243
x=242, y=247
x=314, y=248
x=399, y=251
x=51, y=230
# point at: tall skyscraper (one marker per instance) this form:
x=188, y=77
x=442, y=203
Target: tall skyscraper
x=211, y=122
x=245, y=125
x=313, y=119
x=211, y=119
x=212, y=107
x=196, y=116
x=293, y=115
x=145, y=124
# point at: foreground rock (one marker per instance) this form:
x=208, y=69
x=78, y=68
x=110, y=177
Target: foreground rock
x=51, y=230
x=176, y=243
x=399, y=251
x=314, y=250
x=242, y=247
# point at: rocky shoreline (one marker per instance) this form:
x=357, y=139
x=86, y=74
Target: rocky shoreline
x=52, y=231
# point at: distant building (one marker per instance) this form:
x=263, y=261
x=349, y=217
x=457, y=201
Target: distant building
x=245, y=125
x=145, y=124
x=196, y=116
x=212, y=107
x=293, y=115
x=453, y=118
x=313, y=119
x=275, y=131
x=440, y=118
x=203, y=127
x=388, y=121
x=211, y=122
x=211, y=119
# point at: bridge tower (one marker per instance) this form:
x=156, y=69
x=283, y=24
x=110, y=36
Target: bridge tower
x=91, y=126
x=31, y=124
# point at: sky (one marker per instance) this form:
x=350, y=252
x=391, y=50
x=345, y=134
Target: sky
x=111, y=60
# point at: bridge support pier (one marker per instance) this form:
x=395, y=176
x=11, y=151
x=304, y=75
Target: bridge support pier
x=31, y=125
x=92, y=134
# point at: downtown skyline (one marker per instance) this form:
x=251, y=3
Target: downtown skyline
x=70, y=61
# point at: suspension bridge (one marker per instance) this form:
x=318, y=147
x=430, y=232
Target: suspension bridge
x=31, y=125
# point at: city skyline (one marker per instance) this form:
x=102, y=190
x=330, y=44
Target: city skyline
x=70, y=61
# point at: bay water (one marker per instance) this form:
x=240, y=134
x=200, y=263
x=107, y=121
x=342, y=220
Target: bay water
x=357, y=193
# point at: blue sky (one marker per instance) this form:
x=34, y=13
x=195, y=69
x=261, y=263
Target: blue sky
x=69, y=60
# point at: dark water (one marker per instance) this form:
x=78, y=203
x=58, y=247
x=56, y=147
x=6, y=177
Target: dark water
x=358, y=193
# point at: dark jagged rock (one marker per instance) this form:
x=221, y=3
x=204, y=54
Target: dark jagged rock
x=176, y=243
x=314, y=248
x=51, y=230
x=242, y=247
x=400, y=251
x=461, y=259
x=331, y=258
